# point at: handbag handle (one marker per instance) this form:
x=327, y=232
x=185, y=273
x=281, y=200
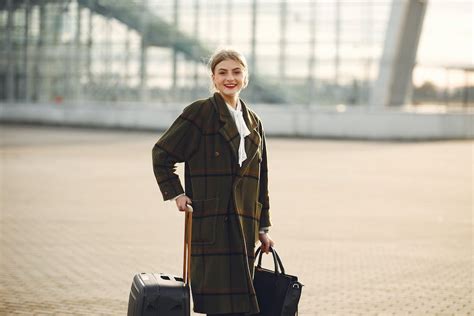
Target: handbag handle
x=278, y=265
x=188, y=228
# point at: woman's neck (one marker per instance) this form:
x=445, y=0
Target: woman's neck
x=231, y=100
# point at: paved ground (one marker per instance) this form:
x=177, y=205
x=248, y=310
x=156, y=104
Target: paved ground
x=371, y=228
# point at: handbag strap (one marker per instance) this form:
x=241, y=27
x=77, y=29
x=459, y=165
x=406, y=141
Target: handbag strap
x=188, y=228
x=278, y=265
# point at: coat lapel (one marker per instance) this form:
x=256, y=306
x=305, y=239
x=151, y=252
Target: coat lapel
x=228, y=130
x=252, y=141
x=230, y=133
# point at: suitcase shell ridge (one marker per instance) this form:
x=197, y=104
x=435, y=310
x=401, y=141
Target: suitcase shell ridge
x=154, y=294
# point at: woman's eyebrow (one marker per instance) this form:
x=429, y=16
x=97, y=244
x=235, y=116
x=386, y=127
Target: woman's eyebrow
x=236, y=68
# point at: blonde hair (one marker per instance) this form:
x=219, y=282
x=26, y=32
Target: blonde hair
x=222, y=54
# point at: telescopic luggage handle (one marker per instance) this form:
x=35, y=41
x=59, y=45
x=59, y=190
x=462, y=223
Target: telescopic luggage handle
x=188, y=229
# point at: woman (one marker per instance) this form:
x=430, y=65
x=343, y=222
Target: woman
x=222, y=143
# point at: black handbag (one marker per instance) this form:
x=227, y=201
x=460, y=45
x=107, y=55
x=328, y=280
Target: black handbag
x=278, y=294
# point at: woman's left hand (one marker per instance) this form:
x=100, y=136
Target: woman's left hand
x=266, y=241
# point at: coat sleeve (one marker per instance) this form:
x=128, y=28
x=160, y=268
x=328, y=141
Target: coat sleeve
x=178, y=144
x=263, y=187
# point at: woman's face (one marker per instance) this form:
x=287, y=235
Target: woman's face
x=229, y=77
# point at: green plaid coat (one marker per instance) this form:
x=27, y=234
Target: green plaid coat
x=230, y=202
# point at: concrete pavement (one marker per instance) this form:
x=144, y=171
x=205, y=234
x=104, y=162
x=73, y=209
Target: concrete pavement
x=371, y=228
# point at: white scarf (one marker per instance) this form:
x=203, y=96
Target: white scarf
x=242, y=128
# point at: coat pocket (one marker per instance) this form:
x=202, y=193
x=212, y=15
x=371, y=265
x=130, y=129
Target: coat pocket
x=204, y=221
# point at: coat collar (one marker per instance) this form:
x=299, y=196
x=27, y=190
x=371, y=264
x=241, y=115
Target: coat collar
x=225, y=115
x=230, y=133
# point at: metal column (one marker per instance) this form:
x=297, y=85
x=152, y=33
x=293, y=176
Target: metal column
x=229, y=21
x=197, y=64
x=253, y=41
x=283, y=41
x=143, y=53
x=76, y=93
x=394, y=82
x=175, y=52
x=42, y=75
x=126, y=73
x=312, y=53
x=11, y=64
x=26, y=53
x=337, y=58
x=369, y=42
x=89, y=46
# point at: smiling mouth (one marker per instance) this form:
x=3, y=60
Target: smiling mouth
x=230, y=85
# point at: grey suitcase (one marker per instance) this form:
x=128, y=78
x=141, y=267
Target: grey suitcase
x=160, y=294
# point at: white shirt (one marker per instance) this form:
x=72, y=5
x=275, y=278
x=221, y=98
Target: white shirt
x=238, y=117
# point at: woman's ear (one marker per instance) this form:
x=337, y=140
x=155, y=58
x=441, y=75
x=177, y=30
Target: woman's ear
x=213, y=78
x=212, y=86
x=246, y=80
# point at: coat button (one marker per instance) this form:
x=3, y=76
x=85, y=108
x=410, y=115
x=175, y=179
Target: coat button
x=225, y=219
x=216, y=154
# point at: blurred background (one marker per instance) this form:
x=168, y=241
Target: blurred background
x=323, y=53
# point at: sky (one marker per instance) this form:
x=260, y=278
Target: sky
x=447, y=36
x=447, y=39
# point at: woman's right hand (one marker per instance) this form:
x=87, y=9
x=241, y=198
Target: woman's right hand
x=182, y=203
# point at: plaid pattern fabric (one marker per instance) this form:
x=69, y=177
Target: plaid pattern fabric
x=230, y=202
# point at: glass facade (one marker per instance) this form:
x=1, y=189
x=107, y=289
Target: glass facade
x=300, y=52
